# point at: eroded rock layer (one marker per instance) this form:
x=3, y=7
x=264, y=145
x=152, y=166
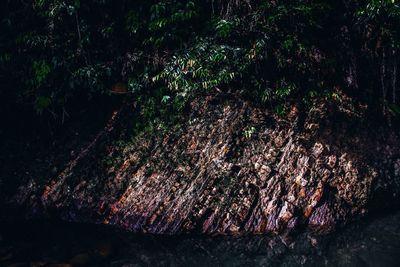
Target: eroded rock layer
x=230, y=167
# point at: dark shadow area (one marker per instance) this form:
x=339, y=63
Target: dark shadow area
x=38, y=146
x=374, y=242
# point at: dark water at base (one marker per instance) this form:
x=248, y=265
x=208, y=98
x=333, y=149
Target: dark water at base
x=374, y=242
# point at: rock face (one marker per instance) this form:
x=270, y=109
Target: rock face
x=229, y=168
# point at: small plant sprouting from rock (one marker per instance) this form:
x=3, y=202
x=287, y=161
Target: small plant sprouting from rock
x=249, y=131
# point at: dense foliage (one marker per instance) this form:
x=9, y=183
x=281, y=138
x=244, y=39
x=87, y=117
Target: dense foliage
x=53, y=52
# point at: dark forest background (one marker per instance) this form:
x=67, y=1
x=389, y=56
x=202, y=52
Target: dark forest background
x=58, y=57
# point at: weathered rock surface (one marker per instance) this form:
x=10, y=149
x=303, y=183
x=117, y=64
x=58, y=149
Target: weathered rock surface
x=230, y=167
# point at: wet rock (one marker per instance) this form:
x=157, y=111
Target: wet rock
x=322, y=218
x=204, y=176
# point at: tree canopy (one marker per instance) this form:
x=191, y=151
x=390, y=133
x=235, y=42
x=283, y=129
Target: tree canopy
x=53, y=52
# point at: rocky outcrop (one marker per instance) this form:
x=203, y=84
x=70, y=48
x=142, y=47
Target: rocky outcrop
x=228, y=168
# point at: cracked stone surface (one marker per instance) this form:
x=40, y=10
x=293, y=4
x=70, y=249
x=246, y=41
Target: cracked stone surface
x=207, y=176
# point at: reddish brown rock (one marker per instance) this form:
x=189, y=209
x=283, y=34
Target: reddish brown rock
x=206, y=175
